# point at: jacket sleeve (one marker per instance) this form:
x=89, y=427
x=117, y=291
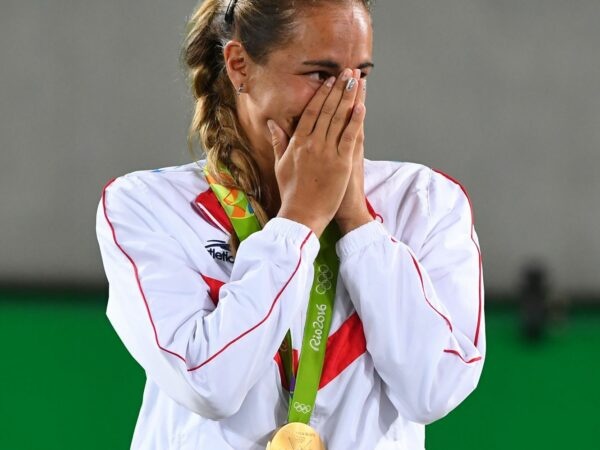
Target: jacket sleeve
x=203, y=357
x=422, y=309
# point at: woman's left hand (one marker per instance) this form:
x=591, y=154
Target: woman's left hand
x=353, y=211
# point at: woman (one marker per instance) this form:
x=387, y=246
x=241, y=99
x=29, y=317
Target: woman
x=373, y=267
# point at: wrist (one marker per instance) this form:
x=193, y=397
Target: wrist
x=346, y=225
x=315, y=223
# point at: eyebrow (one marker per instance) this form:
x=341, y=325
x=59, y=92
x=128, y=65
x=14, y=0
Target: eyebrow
x=333, y=65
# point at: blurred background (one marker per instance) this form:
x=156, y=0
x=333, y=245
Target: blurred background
x=502, y=94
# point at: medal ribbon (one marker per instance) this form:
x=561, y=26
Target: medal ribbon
x=304, y=387
x=235, y=203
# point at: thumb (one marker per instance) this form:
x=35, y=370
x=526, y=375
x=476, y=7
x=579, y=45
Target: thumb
x=278, y=139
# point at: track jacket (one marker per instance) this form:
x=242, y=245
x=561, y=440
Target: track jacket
x=407, y=339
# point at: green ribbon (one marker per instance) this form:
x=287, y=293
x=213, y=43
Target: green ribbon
x=235, y=203
x=304, y=387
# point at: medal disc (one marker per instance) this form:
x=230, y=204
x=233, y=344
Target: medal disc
x=296, y=436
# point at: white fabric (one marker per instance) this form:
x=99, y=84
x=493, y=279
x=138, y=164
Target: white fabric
x=212, y=381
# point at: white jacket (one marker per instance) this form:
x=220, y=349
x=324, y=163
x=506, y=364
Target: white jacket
x=407, y=337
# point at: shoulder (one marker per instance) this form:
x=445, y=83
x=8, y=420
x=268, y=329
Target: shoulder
x=160, y=198
x=167, y=183
x=411, y=198
x=406, y=182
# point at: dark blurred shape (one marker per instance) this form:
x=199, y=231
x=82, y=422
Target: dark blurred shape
x=534, y=293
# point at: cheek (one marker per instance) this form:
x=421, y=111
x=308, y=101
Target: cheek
x=297, y=96
x=305, y=90
x=285, y=99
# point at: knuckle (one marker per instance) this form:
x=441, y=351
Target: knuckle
x=301, y=132
x=336, y=120
x=347, y=138
x=311, y=112
x=327, y=110
x=308, y=145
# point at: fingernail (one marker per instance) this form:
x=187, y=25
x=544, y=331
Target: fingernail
x=364, y=84
x=347, y=73
x=350, y=84
x=330, y=81
x=271, y=125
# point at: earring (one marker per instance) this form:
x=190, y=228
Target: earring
x=240, y=89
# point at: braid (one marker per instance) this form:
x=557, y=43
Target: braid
x=214, y=121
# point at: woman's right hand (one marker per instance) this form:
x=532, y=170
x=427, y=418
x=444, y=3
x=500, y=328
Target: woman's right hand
x=314, y=167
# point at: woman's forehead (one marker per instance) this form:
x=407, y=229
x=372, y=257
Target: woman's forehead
x=338, y=33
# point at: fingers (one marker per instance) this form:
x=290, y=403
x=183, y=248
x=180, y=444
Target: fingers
x=352, y=130
x=349, y=100
x=278, y=139
x=328, y=113
x=313, y=109
x=361, y=94
x=360, y=100
x=338, y=104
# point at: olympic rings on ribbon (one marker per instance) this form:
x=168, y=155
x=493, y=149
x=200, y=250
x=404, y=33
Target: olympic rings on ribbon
x=324, y=277
x=302, y=407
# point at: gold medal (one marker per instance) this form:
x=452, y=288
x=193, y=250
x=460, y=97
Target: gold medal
x=296, y=436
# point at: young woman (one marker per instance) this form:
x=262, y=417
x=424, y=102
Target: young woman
x=285, y=292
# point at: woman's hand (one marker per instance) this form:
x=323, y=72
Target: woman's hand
x=314, y=168
x=353, y=211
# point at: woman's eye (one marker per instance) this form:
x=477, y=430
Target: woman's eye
x=319, y=76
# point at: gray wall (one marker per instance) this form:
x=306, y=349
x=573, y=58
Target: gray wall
x=502, y=94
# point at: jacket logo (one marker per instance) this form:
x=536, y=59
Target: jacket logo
x=219, y=250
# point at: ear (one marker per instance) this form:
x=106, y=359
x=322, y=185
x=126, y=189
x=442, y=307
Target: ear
x=237, y=63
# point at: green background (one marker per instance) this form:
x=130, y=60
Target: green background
x=68, y=383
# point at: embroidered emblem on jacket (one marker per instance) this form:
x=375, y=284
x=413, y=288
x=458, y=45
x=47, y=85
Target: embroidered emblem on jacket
x=219, y=250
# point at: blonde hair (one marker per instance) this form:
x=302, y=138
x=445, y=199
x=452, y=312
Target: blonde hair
x=261, y=26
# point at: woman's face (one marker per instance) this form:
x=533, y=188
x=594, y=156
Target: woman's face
x=327, y=40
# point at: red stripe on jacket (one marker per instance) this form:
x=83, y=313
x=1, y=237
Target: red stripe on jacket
x=209, y=200
x=343, y=348
x=480, y=281
x=214, y=286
